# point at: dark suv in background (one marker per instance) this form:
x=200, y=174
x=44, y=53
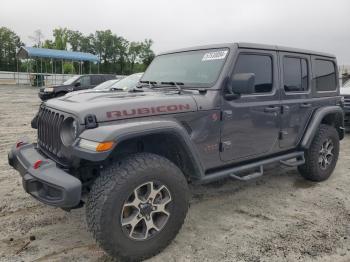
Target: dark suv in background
x=75, y=83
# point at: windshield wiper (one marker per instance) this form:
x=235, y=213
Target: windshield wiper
x=116, y=89
x=170, y=84
x=146, y=84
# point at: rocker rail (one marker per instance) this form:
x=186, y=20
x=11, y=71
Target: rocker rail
x=283, y=159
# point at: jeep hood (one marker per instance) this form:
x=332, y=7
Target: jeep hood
x=116, y=105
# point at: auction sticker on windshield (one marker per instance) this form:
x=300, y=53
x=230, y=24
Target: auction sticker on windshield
x=217, y=55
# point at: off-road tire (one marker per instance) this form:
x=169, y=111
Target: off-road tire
x=311, y=170
x=107, y=196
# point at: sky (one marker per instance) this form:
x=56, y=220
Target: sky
x=311, y=24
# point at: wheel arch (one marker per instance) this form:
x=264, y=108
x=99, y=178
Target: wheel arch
x=165, y=138
x=331, y=115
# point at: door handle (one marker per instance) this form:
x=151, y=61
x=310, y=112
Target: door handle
x=305, y=105
x=271, y=109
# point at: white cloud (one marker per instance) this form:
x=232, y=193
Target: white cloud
x=317, y=24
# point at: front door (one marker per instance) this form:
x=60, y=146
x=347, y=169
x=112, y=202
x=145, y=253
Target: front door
x=251, y=123
x=296, y=97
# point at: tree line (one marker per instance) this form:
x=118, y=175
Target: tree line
x=117, y=54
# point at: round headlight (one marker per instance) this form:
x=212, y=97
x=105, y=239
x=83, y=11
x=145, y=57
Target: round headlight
x=69, y=131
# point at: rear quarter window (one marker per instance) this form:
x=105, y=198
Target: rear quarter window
x=325, y=75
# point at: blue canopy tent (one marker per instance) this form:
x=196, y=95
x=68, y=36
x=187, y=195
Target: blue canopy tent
x=28, y=52
x=44, y=53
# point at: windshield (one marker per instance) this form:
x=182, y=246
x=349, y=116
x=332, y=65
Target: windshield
x=106, y=85
x=200, y=67
x=128, y=82
x=70, y=80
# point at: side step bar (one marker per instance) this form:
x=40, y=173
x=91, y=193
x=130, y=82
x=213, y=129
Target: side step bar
x=250, y=176
x=297, y=157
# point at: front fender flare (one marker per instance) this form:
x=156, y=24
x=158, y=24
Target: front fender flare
x=126, y=130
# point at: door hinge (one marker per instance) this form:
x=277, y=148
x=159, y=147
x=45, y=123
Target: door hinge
x=225, y=145
x=282, y=134
x=226, y=115
x=284, y=109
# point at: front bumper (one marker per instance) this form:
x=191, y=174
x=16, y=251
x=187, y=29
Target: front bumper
x=48, y=183
x=45, y=95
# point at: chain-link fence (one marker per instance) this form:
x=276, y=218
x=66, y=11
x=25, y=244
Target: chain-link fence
x=33, y=79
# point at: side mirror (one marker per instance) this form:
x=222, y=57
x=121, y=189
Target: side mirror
x=77, y=84
x=243, y=83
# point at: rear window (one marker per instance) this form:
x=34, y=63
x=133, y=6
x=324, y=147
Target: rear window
x=325, y=75
x=295, y=74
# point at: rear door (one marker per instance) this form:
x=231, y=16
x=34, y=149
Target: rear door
x=296, y=96
x=250, y=123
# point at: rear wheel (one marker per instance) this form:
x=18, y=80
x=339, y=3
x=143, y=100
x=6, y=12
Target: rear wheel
x=322, y=156
x=136, y=207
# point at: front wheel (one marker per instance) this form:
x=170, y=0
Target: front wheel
x=322, y=156
x=136, y=207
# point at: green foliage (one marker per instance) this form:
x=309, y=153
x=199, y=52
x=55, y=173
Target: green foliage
x=147, y=54
x=117, y=54
x=9, y=43
x=68, y=68
x=61, y=38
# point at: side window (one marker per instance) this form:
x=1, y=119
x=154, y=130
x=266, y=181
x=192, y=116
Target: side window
x=325, y=75
x=95, y=80
x=85, y=81
x=295, y=74
x=261, y=66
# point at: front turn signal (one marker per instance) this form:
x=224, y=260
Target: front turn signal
x=96, y=146
x=104, y=146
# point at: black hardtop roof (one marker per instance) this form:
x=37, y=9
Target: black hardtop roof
x=252, y=46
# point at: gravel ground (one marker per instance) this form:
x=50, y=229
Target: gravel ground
x=279, y=217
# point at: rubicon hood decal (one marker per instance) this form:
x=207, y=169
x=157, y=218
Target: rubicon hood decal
x=124, y=105
x=144, y=111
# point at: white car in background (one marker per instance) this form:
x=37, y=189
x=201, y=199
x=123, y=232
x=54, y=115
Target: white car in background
x=121, y=84
x=106, y=85
x=124, y=84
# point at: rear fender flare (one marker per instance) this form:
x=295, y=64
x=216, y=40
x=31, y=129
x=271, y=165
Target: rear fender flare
x=316, y=120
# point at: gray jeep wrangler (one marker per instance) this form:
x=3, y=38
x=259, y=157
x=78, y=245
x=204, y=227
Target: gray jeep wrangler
x=198, y=115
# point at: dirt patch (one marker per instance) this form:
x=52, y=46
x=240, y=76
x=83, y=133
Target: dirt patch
x=279, y=217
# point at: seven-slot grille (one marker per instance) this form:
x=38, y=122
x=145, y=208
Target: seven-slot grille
x=49, y=127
